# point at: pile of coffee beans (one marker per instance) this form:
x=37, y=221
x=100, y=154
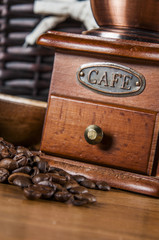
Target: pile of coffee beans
x=20, y=167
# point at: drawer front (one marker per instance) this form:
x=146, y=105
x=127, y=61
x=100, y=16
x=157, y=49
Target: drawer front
x=127, y=134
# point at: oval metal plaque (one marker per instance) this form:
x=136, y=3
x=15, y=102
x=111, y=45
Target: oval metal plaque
x=111, y=79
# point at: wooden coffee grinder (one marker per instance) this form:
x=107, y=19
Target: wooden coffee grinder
x=102, y=119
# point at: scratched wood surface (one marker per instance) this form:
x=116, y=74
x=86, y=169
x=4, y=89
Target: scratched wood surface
x=118, y=215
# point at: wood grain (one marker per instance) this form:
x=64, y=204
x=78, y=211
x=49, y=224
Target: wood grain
x=115, y=178
x=67, y=120
x=129, y=123
x=154, y=154
x=65, y=83
x=118, y=215
x=21, y=120
x=99, y=46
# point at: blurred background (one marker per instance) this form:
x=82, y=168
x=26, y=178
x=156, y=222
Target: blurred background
x=25, y=71
x=26, y=68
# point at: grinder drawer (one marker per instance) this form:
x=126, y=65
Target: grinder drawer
x=126, y=142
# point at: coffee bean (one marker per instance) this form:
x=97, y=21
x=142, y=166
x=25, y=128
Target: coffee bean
x=88, y=184
x=35, y=171
x=3, y=175
x=36, y=159
x=56, y=169
x=10, y=147
x=53, y=172
x=21, y=159
x=59, y=187
x=8, y=164
x=25, y=169
x=65, y=174
x=46, y=192
x=4, y=151
x=62, y=196
x=57, y=178
x=79, y=178
x=30, y=162
x=15, y=175
x=22, y=181
x=40, y=180
x=101, y=185
x=71, y=184
x=79, y=202
x=78, y=190
x=32, y=193
x=42, y=166
x=85, y=196
x=7, y=150
x=40, y=177
x=47, y=183
x=52, y=169
x=25, y=151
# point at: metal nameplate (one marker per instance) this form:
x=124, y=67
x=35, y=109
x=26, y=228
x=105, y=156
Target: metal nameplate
x=111, y=79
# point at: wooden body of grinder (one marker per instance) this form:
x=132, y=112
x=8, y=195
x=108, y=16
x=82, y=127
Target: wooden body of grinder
x=102, y=119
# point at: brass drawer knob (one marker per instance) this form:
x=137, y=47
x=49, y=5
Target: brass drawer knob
x=93, y=134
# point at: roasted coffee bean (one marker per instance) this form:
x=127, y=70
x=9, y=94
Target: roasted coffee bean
x=47, y=183
x=8, y=164
x=41, y=177
x=57, y=169
x=21, y=159
x=71, y=184
x=4, y=151
x=3, y=175
x=32, y=193
x=53, y=172
x=7, y=150
x=101, y=185
x=42, y=166
x=18, y=156
x=10, y=147
x=22, y=182
x=35, y=171
x=57, y=178
x=79, y=202
x=46, y=192
x=52, y=169
x=88, y=184
x=36, y=159
x=62, y=196
x=65, y=174
x=15, y=175
x=30, y=162
x=85, y=196
x=79, y=178
x=25, y=169
x=24, y=151
x=78, y=190
x=59, y=187
x=40, y=180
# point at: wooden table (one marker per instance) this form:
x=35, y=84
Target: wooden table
x=118, y=215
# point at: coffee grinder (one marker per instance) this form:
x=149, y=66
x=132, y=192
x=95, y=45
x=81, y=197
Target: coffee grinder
x=102, y=119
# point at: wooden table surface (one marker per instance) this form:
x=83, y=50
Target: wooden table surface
x=118, y=215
